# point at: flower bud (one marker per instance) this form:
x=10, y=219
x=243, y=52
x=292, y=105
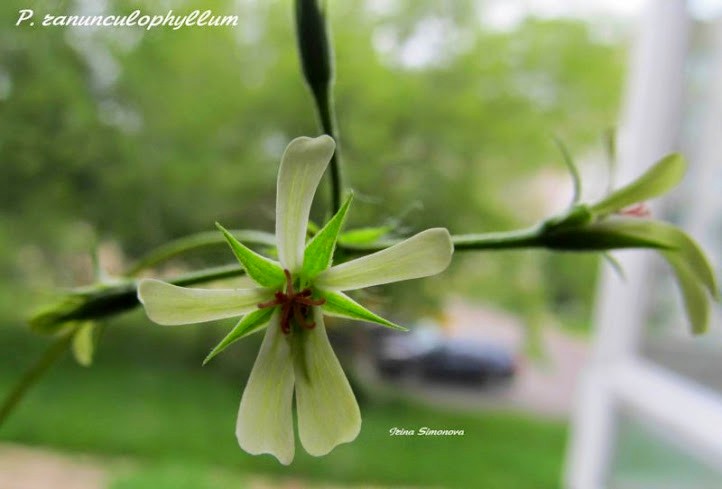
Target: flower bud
x=313, y=45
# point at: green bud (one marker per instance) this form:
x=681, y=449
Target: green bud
x=313, y=46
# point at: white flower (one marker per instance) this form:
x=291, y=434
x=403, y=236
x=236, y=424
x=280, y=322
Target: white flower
x=291, y=298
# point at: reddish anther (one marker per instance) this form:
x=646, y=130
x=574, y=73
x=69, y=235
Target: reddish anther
x=638, y=210
x=293, y=305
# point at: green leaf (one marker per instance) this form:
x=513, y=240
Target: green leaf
x=658, y=180
x=249, y=324
x=264, y=271
x=573, y=171
x=319, y=251
x=340, y=305
x=83, y=345
x=696, y=303
x=363, y=236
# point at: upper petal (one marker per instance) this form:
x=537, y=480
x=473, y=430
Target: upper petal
x=265, y=422
x=302, y=167
x=168, y=304
x=328, y=413
x=657, y=180
x=424, y=254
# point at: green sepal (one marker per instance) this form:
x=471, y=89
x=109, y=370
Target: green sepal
x=83, y=344
x=249, y=324
x=695, y=300
x=262, y=270
x=577, y=216
x=341, y=305
x=573, y=171
x=616, y=266
x=319, y=251
x=658, y=180
x=364, y=236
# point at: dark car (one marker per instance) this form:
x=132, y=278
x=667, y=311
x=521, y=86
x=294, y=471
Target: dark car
x=465, y=361
x=426, y=354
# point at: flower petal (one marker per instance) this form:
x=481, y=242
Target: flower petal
x=424, y=254
x=265, y=420
x=328, y=413
x=170, y=305
x=302, y=167
x=696, y=303
x=661, y=235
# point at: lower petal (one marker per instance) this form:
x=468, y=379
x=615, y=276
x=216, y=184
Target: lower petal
x=328, y=413
x=265, y=422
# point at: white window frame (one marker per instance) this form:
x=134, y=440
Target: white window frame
x=617, y=375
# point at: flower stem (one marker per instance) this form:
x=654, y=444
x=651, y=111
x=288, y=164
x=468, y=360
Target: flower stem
x=323, y=97
x=32, y=375
x=523, y=238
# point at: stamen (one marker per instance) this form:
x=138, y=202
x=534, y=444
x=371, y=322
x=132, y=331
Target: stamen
x=293, y=305
x=289, y=282
x=310, y=302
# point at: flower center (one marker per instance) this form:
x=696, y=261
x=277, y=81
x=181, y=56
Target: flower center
x=293, y=305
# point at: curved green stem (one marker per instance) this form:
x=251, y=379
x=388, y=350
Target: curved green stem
x=31, y=376
x=522, y=238
x=106, y=300
x=196, y=241
x=323, y=97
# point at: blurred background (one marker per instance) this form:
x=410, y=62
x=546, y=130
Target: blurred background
x=122, y=139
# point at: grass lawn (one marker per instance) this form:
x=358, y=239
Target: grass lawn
x=180, y=423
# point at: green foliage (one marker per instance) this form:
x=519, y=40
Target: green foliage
x=181, y=417
x=177, y=135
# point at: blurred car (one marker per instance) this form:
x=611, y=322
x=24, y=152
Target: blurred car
x=399, y=354
x=426, y=354
x=466, y=361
